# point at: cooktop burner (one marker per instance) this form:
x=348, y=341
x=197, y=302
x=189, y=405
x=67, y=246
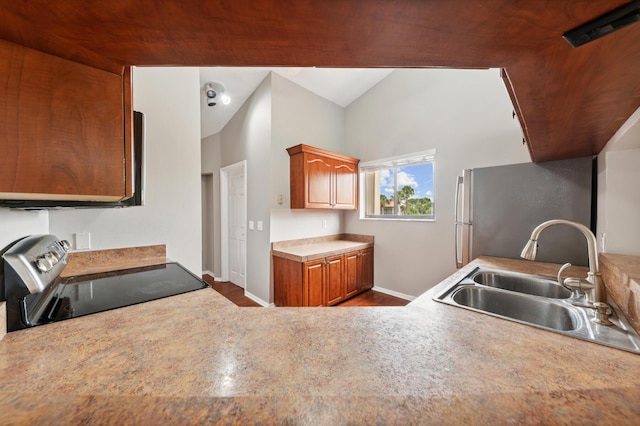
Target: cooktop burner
x=88, y=294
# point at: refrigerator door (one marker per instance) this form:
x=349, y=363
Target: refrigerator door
x=510, y=201
x=462, y=219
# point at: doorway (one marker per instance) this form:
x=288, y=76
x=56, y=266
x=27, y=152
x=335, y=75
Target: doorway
x=208, y=232
x=233, y=199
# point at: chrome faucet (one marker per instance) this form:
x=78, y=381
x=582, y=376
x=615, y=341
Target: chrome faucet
x=593, y=286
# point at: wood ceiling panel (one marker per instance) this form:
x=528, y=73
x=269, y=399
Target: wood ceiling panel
x=573, y=100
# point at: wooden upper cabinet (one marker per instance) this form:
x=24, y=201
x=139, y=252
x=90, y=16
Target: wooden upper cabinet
x=322, y=179
x=319, y=182
x=62, y=129
x=346, y=182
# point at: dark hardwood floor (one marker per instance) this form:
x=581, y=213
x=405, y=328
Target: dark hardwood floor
x=369, y=298
x=230, y=291
x=373, y=298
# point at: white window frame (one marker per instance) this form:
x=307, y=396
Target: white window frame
x=416, y=158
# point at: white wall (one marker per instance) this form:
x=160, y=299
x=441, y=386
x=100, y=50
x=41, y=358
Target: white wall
x=619, y=191
x=170, y=99
x=15, y=224
x=299, y=116
x=248, y=137
x=210, y=165
x=466, y=115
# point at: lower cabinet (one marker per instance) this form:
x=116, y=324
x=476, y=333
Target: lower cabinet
x=358, y=272
x=322, y=282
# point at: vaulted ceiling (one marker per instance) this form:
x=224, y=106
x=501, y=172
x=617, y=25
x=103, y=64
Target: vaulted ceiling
x=570, y=100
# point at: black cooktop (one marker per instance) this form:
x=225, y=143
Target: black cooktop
x=88, y=294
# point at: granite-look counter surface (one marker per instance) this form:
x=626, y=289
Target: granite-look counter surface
x=198, y=359
x=308, y=249
x=97, y=261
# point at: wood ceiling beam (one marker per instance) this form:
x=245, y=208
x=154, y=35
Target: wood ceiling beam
x=573, y=100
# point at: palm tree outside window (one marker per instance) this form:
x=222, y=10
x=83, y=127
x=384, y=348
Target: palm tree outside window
x=399, y=187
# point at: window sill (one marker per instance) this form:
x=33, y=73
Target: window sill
x=395, y=219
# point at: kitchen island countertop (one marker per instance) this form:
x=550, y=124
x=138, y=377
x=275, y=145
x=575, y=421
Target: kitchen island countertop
x=197, y=358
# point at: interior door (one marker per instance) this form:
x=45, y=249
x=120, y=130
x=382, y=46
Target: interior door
x=237, y=227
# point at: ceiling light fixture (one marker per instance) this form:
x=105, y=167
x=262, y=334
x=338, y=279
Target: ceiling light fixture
x=215, y=91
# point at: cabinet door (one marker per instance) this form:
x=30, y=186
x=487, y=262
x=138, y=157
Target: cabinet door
x=318, y=176
x=287, y=282
x=61, y=128
x=365, y=269
x=314, y=283
x=346, y=185
x=351, y=275
x=333, y=282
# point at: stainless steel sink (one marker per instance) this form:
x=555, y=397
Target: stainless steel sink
x=517, y=307
x=522, y=283
x=515, y=297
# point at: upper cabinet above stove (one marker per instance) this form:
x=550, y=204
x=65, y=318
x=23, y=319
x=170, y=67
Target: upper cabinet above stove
x=65, y=129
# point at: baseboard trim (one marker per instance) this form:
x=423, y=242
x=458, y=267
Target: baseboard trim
x=394, y=293
x=258, y=300
x=218, y=279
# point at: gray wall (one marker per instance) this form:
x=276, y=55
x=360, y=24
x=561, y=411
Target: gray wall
x=466, y=116
x=15, y=224
x=300, y=116
x=248, y=137
x=210, y=166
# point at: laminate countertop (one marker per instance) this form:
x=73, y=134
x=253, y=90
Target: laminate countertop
x=198, y=359
x=318, y=248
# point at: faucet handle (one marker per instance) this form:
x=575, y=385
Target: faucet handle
x=603, y=311
x=562, y=269
x=575, y=285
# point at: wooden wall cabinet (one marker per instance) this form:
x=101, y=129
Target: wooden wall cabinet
x=65, y=129
x=322, y=179
x=322, y=282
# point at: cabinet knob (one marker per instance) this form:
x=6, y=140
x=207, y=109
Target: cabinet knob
x=65, y=245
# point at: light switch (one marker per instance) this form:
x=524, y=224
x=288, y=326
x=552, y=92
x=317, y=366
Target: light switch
x=259, y=225
x=250, y=225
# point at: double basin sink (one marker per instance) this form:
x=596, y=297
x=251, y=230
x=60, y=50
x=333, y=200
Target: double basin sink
x=540, y=302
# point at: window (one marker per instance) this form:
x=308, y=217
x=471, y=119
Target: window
x=399, y=187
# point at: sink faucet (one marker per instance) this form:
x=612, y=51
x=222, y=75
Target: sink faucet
x=597, y=293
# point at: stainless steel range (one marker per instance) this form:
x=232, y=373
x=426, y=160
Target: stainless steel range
x=37, y=295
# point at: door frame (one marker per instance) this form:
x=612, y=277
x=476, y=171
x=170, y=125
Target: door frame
x=224, y=215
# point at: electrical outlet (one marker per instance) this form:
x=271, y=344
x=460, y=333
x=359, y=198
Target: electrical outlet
x=83, y=240
x=324, y=223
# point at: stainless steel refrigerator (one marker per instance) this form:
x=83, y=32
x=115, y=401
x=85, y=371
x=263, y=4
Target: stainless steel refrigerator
x=497, y=208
